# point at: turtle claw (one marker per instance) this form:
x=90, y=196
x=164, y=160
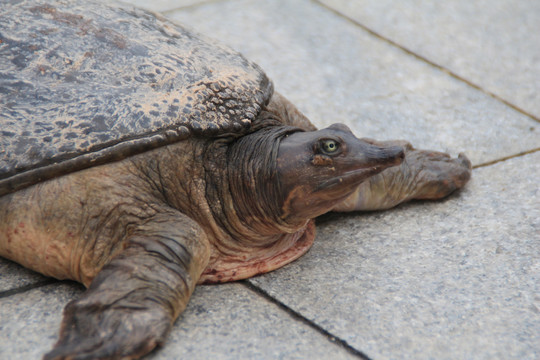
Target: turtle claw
x=422, y=175
x=436, y=174
x=94, y=331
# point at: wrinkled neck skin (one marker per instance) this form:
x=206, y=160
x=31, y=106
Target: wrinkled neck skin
x=249, y=185
x=242, y=195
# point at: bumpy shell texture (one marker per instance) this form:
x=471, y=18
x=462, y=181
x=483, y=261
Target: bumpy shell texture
x=85, y=83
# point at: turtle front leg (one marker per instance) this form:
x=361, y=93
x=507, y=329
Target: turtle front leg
x=132, y=303
x=422, y=175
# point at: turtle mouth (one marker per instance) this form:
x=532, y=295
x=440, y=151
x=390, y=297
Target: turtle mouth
x=352, y=178
x=378, y=159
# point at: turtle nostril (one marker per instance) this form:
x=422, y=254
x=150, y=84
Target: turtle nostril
x=395, y=152
x=389, y=155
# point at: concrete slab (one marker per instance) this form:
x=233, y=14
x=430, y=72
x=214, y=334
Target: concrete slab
x=457, y=279
x=164, y=5
x=229, y=321
x=493, y=44
x=336, y=72
x=14, y=276
x=221, y=322
x=29, y=322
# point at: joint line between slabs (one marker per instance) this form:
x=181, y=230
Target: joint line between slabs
x=297, y=316
x=426, y=60
x=503, y=159
x=26, y=288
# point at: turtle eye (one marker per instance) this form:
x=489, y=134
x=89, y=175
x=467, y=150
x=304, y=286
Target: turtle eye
x=329, y=146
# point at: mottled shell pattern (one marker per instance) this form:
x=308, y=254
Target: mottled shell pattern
x=83, y=84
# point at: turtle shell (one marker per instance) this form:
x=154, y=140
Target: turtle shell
x=85, y=83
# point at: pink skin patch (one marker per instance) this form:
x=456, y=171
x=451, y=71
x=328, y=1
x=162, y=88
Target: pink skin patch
x=232, y=270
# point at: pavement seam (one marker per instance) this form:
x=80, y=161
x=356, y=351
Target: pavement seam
x=299, y=317
x=503, y=159
x=28, y=287
x=426, y=60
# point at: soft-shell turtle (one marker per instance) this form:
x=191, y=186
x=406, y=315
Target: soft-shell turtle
x=141, y=159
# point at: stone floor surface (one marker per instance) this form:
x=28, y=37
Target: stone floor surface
x=456, y=279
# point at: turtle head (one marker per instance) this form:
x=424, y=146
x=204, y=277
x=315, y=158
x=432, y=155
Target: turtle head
x=319, y=169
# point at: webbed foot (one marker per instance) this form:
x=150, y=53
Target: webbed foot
x=92, y=329
x=436, y=174
x=422, y=175
x=133, y=301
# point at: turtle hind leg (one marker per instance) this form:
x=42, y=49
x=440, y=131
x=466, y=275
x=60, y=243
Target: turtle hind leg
x=427, y=175
x=132, y=303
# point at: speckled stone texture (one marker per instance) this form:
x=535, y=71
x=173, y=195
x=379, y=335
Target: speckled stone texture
x=457, y=279
x=242, y=325
x=166, y=5
x=13, y=276
x=493, y=44
x=29, y=321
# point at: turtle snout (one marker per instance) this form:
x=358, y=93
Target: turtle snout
x=396, y=152
x=391, y=155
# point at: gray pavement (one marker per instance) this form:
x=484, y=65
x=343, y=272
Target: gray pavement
x=456, y=279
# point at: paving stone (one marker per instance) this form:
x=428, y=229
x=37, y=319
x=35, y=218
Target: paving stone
x=492, y=43
x=457, y=279
x=229, y=321
x=336, y=72
x=13, y=276
x=30, y=321
x=164, y=5
x=221, y=322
